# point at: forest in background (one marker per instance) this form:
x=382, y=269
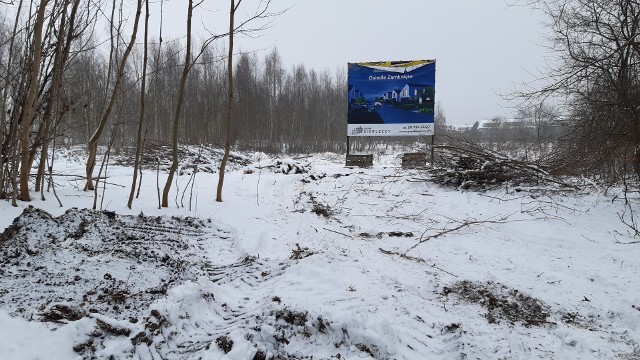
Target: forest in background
x=63, y=84
x=278, y=107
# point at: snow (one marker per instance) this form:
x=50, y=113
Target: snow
x=308, y=258
x=32, y=340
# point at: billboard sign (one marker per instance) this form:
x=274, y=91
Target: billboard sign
x=391, y=98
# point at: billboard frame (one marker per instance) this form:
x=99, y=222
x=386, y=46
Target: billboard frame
x=391, y=98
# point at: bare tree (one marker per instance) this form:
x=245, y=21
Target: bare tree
x=143, y=90
x=440, y=121
x=227, y=144
x=93, y=141
x=29, y=101
x=540, y=129
x=261, y=13
x=61, y=54
x=597, y=70
x=296, y=109
x=3, y=105
x=178, y=111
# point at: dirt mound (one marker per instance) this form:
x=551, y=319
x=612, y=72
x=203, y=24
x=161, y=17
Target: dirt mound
x=501, y=302
x=57, y=269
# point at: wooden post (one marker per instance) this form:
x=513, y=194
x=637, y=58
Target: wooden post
x=363, y=161
x=432, y=148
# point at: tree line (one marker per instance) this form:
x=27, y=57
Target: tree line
x=581, y=116
x=594, y=74
x=278, y=108
x=62, y=85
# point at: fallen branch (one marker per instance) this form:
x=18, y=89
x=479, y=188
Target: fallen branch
x=627, y=243
x=339, y=233
x=462, y=225
x=404, y=256
x=416, y=259
x=80, y=177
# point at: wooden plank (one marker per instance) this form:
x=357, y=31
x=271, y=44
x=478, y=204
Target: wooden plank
x=362, y=161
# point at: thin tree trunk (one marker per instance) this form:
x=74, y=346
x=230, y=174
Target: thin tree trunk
x=105, y=162
x=52, y=185
x=176, y=118
x=156, y=80
x=28, y=105
x=112, y=47
x=144, y=141
x=53, y=157
x=143, y=89
x=3, y=104
x=227, y=144
x=14, y=151
x=56, y=82
x=158, y=182
x=93, y=142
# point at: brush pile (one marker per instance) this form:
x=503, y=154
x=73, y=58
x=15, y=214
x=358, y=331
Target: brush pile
x=471, y=167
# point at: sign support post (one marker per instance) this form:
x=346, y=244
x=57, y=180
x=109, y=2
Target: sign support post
x=433, y=144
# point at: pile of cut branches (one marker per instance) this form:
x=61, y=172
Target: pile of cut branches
x=205, y=157
x=470, y=166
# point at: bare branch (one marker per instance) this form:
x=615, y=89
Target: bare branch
x=458, y=225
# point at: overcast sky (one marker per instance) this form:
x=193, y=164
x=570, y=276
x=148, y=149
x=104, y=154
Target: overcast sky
x=482, y=48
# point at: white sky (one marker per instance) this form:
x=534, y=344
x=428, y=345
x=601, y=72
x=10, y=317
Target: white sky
x=482, y=48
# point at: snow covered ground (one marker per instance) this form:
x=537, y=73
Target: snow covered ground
x=324, y=262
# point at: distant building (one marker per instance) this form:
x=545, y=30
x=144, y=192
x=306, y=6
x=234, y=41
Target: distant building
x=506, y=123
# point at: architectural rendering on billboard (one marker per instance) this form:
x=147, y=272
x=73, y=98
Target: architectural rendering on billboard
x=391, y=98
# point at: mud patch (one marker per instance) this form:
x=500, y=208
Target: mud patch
x=281, y=330
x=320, y=209
x=225, y=343
x=502, y=303
x=313, y=177
x=300, y=253
x=380, y=235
